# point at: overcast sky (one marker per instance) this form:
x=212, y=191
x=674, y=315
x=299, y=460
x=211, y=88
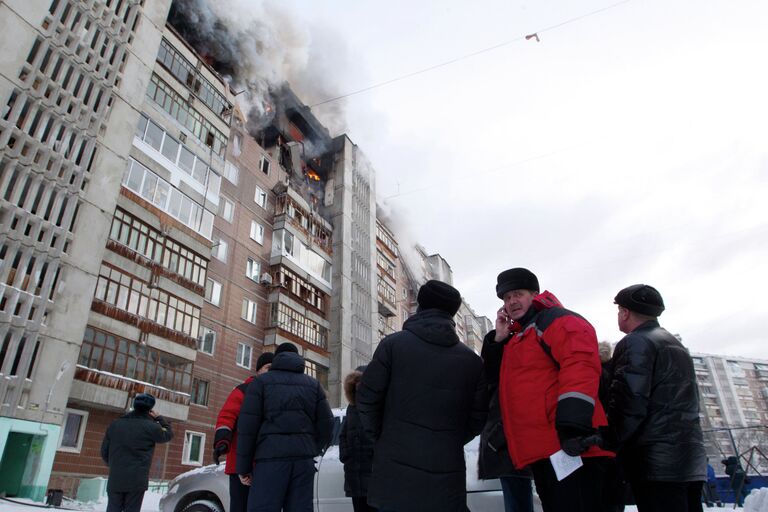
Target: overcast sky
x=629, y=146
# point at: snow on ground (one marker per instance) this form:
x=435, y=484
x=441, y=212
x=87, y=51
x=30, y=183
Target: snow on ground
x=757, y=501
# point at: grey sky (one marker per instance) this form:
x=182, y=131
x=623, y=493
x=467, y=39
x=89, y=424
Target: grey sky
x=630, y=146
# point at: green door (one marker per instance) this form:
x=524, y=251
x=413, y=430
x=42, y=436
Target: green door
x=13, y=462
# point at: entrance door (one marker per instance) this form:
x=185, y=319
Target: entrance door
x=14, y=462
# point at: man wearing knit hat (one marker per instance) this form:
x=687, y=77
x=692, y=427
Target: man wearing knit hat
x=421, y=399
x=285, y=422
x=225, y=438
x=127, y=448
x=549, y=373
x=653, y=409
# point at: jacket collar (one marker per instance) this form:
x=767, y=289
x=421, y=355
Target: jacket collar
x=288, y=362
x=647, y=325
x=433, y=326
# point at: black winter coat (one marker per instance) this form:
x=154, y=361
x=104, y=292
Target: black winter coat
x=493, y=460
x=422, y=398
x=356, y=453
x=284, y=416
x=127, y=449
x=653, y=408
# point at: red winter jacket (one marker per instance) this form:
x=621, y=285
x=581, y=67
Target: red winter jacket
x=227, y=422
x=535, y=395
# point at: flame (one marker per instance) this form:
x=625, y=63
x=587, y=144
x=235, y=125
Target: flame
x=313, y=175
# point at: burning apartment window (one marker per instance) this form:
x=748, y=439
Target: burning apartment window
x=243, y=355
x=260, y=197
x=73, y=431
x=194, y=443
x=249, y=311
x=257, y=232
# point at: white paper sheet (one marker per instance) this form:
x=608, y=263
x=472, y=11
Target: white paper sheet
x=564, y=464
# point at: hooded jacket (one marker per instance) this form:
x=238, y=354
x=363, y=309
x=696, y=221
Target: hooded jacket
x=549, y=390
x=355, y=446
x=421, y=399
x=653, y=407
x=284, y=416
x=226, y=424
x=127, y=449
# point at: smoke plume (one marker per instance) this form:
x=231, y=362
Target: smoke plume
x=259, y=47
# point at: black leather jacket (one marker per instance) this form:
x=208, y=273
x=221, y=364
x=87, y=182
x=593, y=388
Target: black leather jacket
x=653, y=407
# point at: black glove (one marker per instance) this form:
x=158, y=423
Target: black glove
x=575, y=446
x=220, y=449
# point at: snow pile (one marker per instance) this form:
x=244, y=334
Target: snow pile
x=757, y=501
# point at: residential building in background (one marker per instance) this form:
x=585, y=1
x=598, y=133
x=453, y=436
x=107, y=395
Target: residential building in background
x=733, y=393
x=72, y=80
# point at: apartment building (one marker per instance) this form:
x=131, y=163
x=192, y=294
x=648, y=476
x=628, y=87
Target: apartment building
x=733, y=395
x=145, y=318
x=71, y=76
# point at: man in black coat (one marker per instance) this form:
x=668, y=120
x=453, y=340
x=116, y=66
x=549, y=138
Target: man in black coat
x=285, y=422
x=127, y=449
x=653, y=408
x=422, y=398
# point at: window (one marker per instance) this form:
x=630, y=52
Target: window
x=206, y=341
x=219, y=249
x=257, y=232
x=226, y=209
x=170, y=148
x=264, y=165
x=119, y=356
x=243, y=355
x=237, y=144
x=194, y=442
x=73, y=431
x=212, y=291
x=252, y=269
x=199, y=393
x=231, y=172
x=260, y=197
x=296, y=323
x=249, y=311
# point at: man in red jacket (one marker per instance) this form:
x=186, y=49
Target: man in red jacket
x=550, y=373
x=225, y=439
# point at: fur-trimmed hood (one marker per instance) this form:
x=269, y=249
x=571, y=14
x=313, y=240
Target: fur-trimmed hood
x=351, y=382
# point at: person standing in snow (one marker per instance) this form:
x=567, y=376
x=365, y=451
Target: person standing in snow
x=422, y=398
x=548, y=392
x=355, y=447
x=653, y=408
x=127, y=449
x=225, y=438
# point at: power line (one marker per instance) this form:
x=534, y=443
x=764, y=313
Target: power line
x=470, y=55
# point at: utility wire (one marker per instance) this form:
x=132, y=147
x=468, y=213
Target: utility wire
x=470, y=55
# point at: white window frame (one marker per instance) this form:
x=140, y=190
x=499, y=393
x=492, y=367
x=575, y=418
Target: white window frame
x=258, y=235
x=240, y=356
x=260, y=197
x=264, y=165
x=224, y=204
x=80, y=434
x=185, y=457
x=250, y=265
x=207, y=392
x=249, y=311
x=201, y=335
x=231, y=172
x=220, y=249
x=216, y=288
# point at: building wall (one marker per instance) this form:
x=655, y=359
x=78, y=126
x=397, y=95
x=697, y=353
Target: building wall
x=65, y=131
